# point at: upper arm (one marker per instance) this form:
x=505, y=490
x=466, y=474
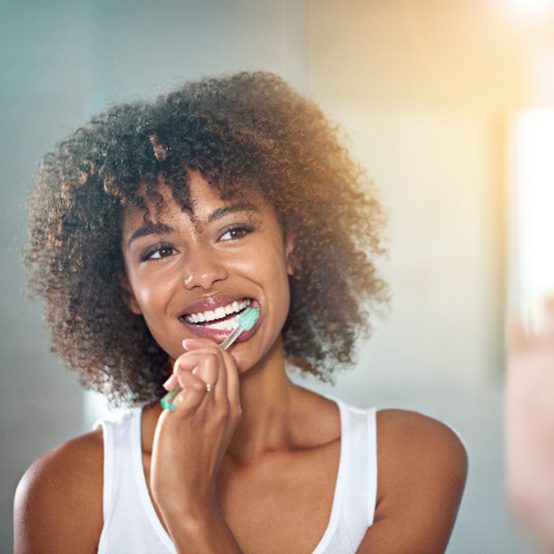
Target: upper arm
x=422, y=471
x=58, y=502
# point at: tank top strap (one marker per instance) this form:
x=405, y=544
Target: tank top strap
x=372, y=470
x=360, y=494
x=122, y=500
x=108, y=468
x=362, y=470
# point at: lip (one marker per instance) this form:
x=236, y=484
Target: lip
x=219, y=335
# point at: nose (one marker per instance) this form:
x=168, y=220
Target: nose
x=203, y=268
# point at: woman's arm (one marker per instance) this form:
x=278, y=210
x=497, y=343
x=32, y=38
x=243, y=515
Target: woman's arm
x=189, y=445
x=422, y=468
x=58, y=502
x=202, y=532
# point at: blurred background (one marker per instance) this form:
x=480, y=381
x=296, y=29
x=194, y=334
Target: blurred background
x=447, y=103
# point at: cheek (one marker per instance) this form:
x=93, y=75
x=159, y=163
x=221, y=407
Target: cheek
x=266, y=265
x=277, y=272
x=276, y=284
x=150, y=293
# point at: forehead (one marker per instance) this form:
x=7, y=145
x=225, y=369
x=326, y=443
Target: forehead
x=205, y=202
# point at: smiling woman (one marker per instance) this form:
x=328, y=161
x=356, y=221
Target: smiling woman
x=195, y=264
x=246, y=134
x=152, y=228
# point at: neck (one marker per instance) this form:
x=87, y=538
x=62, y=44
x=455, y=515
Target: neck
x=268, y=400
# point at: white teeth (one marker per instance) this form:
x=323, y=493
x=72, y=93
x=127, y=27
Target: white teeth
x=210, y=315
x=227, y=325
x=218, y=313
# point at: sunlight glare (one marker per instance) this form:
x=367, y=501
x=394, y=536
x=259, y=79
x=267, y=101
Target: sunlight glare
x=535, y=192
x=532, y=7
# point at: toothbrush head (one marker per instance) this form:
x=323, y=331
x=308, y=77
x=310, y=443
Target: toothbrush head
x=248, y=318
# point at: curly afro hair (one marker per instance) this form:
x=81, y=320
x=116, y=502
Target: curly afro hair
x=243, y=132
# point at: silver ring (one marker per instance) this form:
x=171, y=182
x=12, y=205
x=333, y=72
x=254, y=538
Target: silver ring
x=209, y=387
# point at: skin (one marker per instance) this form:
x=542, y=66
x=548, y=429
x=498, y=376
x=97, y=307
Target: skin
x=229, y=470
x=530, y=428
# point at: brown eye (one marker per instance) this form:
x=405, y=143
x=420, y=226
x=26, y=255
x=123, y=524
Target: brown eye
x=236, y=233
x=157, y=253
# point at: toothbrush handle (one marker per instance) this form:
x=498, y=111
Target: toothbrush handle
x=232, y=338
x=168, y=401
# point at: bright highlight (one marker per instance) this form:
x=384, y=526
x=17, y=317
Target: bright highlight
x=535, y=192
x=532, y=7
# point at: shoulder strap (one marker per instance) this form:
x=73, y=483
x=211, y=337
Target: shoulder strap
x=116, y=433
x=372, y=465
x=108, y=479
x=362, y=470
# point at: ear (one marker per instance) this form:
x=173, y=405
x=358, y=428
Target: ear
x=289, y=253
x=128, y=294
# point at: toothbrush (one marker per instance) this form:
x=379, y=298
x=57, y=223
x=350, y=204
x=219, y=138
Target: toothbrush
x=247, y=320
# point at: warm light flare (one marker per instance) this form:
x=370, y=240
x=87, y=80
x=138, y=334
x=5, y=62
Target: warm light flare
x=532, y=7
x=535, y=194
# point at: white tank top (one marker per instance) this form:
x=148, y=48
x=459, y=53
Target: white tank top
x=131, y=525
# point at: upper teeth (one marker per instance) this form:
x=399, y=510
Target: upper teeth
x=218, y=313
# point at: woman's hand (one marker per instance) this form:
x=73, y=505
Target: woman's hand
x=190, y=442
x=530, y=427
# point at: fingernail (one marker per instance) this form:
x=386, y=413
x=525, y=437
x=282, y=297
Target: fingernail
x=168, y=385
x=191, y=344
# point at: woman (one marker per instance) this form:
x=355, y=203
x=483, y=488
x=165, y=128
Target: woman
x=151, y=227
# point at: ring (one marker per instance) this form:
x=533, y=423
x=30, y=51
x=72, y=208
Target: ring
x=209, y=388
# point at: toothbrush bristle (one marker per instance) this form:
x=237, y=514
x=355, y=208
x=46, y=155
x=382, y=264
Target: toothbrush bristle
x=248, y=318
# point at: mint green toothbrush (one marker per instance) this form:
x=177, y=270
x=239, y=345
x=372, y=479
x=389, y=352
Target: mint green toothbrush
x=247, y=320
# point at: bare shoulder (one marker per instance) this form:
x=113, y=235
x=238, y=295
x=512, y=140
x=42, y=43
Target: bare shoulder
x=407, y=433
x=58, y=502
x=422, y=469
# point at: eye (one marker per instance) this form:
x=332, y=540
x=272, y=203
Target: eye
x=157, y=252
x=235, y=233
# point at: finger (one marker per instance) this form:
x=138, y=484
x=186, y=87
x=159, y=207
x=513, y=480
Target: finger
x=231, y=388
x=205, y=345
x=207, y=369
x=170, y=383
x=228, y=369
x=194, y=390
x=195, y=344
x=218, y=355
x=202, y=362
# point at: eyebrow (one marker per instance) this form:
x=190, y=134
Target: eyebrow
x=226, y=210
x=151, y=228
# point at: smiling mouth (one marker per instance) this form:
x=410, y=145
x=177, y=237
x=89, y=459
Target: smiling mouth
x=224, y=318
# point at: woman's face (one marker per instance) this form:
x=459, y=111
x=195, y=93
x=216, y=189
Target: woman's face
x=189, y=274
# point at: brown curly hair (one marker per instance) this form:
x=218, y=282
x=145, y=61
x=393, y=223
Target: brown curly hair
x=243, y=132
